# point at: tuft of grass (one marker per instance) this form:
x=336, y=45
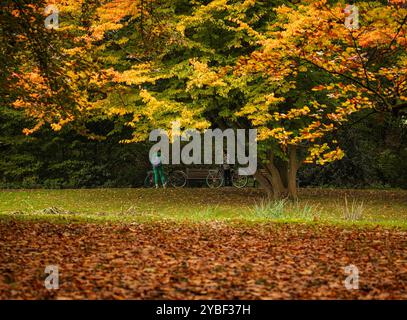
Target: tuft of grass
x=306, y=211
x=354, y=212
x=270, y=209
x=286, y=210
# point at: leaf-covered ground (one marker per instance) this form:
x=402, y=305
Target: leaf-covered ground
x=211, y=260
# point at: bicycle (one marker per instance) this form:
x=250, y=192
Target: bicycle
x=215, y=178
x=176, y=179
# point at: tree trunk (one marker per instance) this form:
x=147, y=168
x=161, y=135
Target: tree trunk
x=292, y=172
x=277, y=183
x=265, y=183
x=280, y=180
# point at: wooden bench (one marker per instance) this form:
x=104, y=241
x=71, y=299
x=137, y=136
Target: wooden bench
x=197, y=174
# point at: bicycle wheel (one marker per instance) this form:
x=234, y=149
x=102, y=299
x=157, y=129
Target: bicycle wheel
x=149, y=180
x=178, y=179
x=214, y=179
x=239, y=181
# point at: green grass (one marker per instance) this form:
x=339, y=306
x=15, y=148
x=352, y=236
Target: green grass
x=339, y=207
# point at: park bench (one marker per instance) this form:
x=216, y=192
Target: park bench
x=196, y=174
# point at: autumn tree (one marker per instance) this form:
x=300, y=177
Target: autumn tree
x=295, y=75
x=57, y=75
x=182, y=81
x=296, y=71
x=358, y=68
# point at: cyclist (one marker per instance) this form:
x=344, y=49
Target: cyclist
x=158, y=169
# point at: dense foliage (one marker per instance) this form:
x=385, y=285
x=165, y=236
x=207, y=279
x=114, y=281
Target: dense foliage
x=316, y=90
x=67, y=159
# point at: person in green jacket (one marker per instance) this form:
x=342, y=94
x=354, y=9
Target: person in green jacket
x=158, y=170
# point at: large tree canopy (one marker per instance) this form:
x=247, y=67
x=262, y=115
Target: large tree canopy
x=295, y=71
